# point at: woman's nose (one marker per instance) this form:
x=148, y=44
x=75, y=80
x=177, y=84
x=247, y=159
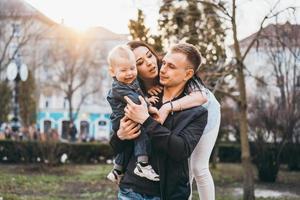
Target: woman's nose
x=148, y=61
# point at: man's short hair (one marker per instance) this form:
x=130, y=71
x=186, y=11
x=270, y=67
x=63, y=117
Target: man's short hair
x=120, y=52
x=192, y=54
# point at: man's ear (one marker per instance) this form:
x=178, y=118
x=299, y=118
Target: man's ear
x=111, y=71
x=189, y=74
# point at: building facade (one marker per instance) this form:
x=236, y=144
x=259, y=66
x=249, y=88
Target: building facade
x=92, y=119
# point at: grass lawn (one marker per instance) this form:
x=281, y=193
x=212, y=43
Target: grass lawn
x=31, y=182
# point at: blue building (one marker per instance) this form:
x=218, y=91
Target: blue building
x=90, y=125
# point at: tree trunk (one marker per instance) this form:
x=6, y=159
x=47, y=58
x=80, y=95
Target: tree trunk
x=69, y=132
x=245, y=149
x=248, y=182
x=70, y=109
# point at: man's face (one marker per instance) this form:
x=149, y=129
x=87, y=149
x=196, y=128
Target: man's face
x=175, y=70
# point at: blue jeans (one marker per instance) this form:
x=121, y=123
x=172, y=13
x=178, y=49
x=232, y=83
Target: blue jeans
x=128, y=194
x=141, y=148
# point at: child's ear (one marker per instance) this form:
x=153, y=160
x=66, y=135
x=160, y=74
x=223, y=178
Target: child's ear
x=111, y=71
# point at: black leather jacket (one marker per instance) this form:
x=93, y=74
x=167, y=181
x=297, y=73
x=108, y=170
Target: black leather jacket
x=172, y=145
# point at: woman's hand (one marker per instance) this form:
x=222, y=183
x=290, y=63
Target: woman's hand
x=128, y=129
x=154, y=113
x=164, y=111
x=152, y=100
x=155, y=90
x=138, y=113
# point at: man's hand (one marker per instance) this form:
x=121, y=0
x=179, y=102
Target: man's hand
x=138, y=113
x=128, y=129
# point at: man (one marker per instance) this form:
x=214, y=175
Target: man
x=172, y=143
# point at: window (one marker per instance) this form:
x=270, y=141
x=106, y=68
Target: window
x=47, y=126
x=65, y=129
x=65, y=103
x=102, y=123
x=13, y=50
x=46, y=104
x=16, y=29
x=84, y=129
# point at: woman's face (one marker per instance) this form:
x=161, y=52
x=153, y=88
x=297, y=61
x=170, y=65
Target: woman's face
x=146, y=63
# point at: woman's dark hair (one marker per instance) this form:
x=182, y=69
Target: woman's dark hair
x=135, y=44
x=195, y=83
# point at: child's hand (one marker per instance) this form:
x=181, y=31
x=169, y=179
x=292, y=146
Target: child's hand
x=152, y=100
x=164, y=112
x=154, y=113
x=155, y=90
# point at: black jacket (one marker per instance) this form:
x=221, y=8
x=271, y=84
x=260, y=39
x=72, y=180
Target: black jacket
x=117, y=102
x=172, y=145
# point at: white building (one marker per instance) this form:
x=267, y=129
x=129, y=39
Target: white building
x=273, y=59
x=93, y=117
x=268, y=51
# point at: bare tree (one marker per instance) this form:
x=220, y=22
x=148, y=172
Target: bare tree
x=17, y=33
x=73, y=71
x=283, y=50
x=277, y=120
x=229, y=13
x=21, y=28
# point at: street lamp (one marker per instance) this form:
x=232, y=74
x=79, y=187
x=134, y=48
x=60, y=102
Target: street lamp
x=16, y=71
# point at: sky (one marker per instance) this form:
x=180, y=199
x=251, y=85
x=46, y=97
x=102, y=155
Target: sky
x=111, y=14
x=115, y=14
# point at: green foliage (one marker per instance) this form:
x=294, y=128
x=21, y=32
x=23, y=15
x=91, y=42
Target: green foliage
x=5, y=100
x=191, y=22
x=292, y=157
x=266, y=163
x=88, y=182
x=68, y=182
x=199, y=25
x=229, y=153
x=50, y=152
x=156, y=42
x=140, y=32
x=27, y=101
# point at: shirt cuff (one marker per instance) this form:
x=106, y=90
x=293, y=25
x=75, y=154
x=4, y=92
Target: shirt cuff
x=148, y=121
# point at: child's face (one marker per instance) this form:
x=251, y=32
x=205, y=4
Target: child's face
x=125, y=71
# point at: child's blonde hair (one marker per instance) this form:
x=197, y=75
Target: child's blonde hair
x=120, y=51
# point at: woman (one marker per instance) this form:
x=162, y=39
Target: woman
x=148, y=64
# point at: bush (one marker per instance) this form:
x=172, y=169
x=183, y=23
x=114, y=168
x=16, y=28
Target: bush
x=292, y=156
x=267, y=164
x=50, y=152
x=229, y=153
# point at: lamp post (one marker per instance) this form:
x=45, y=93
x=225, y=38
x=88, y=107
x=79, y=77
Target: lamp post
x=16, y=71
